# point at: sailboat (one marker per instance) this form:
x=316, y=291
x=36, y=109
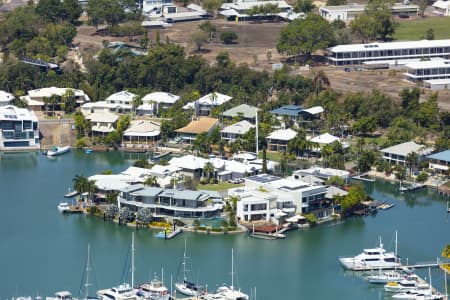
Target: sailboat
x=124, y=291
x=227, y=292
x=186, y=287
x=88, y=270
x=420, y=293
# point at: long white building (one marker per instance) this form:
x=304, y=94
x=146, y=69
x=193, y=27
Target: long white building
x=426, y=70
x=19, y=129
x=358, y=53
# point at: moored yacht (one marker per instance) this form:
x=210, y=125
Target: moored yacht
x=405, y=285
x=63, y=295
x=121, y=292
x=370, y=259
x=63, y=207
x=56, y=150
x=385, y=277
x=155, y=290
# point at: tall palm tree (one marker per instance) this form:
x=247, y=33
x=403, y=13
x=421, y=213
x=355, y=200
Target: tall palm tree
x=151, y=181
x=411, y=161
x=208, y=169
x=320, y=81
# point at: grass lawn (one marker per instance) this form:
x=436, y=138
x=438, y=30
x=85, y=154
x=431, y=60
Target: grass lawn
x=415, y=29
x=218, y=187
x=275, y=156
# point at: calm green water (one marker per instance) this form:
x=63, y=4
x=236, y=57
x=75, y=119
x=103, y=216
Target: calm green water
x=42, y=251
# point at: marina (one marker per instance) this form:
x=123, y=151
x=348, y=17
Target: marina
x=309, y=255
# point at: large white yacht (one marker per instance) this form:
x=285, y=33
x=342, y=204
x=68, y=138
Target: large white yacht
x=405, y=285
x=370, y=259
x=155, y=290
x=121, y=292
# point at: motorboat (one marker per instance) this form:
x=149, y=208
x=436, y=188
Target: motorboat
x=56, y=150
x=63, y=295
x=371, y=259
x=155, y=290
x=417, y=295
x=404, y=286
x=186, y=287
x=63, y=207
x=385, y=277
x=120, y=292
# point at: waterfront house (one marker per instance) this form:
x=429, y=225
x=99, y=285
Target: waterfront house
x=299, y=114
x=278, y=139
x=351, y=11
x=5, y=98
x=102, y=122
x=164, y=174
x=152, y=103
x=358, y=53
x=189, y=133
x=233, y=132
x=204, y=105
x=322, y=173
x=397, y=154
x=141, y=132
x=19, y=129
x=189, y=165
x=35, y=98
x=439, y=162
x=428, y=70
x=243, y=111
x=280, y=195
x=324, y=140
x=124, y=99
x=170, y=202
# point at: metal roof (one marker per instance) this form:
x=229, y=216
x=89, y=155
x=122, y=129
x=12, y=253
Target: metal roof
x=247, y=111
x=444, y=156
x=263, y=178
x=391, y=46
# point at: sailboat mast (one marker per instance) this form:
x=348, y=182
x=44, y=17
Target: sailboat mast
x=232, y=268
x=396, y=244
x=184, y=261
x=132, y=260
x=257, y=139
x=88, y=269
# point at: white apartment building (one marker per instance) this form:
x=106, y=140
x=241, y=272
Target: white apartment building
x=358, y=53
x=19, y=129
x=427, y=70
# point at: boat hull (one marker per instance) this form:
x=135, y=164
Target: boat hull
x=183, y=289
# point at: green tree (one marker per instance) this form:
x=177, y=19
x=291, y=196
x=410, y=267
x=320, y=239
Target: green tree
x=211, y=6
x=56, y=11
x=228, y=37
x=429, y=34
x=422, y=6
x=400, y=173
x=401, y=130
x=208, y=170
x=381, y=12
x=304, y=36
x=422, y=177
x=105, y=11
x=122, y=124
x=209, y=28
x=144, y=215
x=199, y=38
x=446, y=251
x=151, y=181
x=356, y=194
x=305, y=6
x=365, y=125
x=335, y=181
x=363, y=27
x=412, y=159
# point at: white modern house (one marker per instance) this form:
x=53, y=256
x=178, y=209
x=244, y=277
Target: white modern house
x=358, y=53
x=265, y=196
x=153, y=102
x=5, y=98
x=350, y=11
x=440, y=161
x=102, y=122
x=35, y=98
x=124, y=99
x=170, y=202
x=19, y=129
x=322, y=173
x=150, y=7
x=204, y=105
x=441, y=8
x=239, y=9
x=397, y=154
x=428, y=70
x=278, y=139
x=326, y=139
x=141, y=132
x=235, y=131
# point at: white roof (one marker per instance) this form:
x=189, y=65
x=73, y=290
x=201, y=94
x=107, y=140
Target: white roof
x=332, y=191
x=242, y=168
x=438, y=81
x=99, y=105
x=290, y=15
x=391, y=45
x=406, y=148
x=123, y=96
x=143, y=128
x=189, y=162
x=47, y=92
x=250, y=4
x=102, y=117
x=325, y=138
x=319, y=171
x=12, y=113
x=282, y=134
x=314, y=110
x=209, y=100
x=196, y=7
x=137, y=174
x=244, y=156
x=111, y=182
x=162, y=171
x=6, y=97
x=160, y=97
x=241, y=127
x=442, y=4
x=429, y=64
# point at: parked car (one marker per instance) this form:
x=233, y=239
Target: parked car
x=236, y=180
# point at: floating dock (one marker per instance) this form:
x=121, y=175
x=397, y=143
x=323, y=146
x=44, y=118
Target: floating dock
x=73, y=210
x=364, y=177
x=168, y=234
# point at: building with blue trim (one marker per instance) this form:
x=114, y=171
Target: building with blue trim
x=439, y=162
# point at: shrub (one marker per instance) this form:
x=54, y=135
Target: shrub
x=228, y=37
x=422, y=177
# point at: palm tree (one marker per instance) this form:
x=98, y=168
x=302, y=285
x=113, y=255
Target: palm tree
x=400, y=173
x=111, y=197
x=151, y=181
x=79, y=183
x=411, y=161
x=320, y=81
x=208, y=170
